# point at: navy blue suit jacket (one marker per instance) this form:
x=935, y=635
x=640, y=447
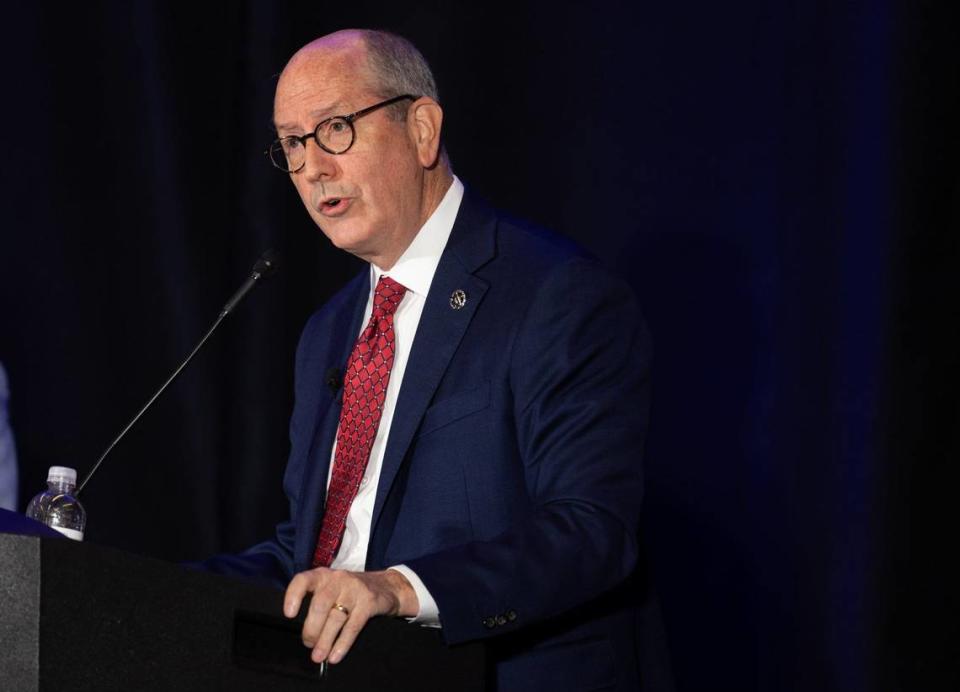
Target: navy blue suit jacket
x=511, y=482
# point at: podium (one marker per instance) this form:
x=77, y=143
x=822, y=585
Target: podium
x=76, y=616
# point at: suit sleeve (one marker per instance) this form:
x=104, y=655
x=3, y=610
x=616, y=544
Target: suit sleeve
x=579, y=374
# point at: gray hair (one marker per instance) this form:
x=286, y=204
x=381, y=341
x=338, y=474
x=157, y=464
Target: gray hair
x=397, y=67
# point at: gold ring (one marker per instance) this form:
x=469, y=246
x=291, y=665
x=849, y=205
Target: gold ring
x=341, y=608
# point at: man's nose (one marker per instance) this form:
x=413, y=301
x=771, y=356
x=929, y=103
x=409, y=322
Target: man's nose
x=318, y=164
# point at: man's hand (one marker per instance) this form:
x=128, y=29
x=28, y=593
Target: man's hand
x=342, y=603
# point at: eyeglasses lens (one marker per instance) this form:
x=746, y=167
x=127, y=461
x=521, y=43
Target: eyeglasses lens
x=336, y=135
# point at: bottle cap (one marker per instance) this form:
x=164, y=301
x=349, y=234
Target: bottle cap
x=62, y=473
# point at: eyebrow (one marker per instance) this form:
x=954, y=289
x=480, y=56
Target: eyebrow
x=316, y=116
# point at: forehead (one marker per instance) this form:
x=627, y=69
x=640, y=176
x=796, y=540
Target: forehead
x=317, y=83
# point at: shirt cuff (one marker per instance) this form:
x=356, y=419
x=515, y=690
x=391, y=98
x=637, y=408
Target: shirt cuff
x=428, y=615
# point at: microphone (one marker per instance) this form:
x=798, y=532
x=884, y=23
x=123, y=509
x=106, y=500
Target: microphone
x=264, y=268
x=333, y=379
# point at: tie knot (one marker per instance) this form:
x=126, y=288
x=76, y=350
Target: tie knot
x=387, y=296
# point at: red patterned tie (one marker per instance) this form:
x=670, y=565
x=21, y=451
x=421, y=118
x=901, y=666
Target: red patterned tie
x=364, y=390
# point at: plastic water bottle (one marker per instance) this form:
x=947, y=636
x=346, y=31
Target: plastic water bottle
x=57, y=507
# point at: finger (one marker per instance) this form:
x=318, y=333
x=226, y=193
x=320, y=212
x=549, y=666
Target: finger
x=298, y=587
x=331, y=628
x=317, y=616
x=348, y=635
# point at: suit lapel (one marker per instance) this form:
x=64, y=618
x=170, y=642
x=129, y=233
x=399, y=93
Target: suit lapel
x=441, y=329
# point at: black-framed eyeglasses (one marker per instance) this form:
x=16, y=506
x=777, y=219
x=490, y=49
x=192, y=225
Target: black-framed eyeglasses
x=334, y=135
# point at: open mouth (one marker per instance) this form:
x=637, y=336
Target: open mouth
x=334, y=206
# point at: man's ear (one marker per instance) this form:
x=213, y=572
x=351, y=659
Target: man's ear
x=424, y=122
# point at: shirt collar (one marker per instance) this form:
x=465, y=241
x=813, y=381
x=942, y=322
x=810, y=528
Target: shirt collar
x=418, y=263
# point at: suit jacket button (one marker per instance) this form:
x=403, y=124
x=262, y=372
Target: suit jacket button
x=501, y=619
x=511, y=615
x=489, y=623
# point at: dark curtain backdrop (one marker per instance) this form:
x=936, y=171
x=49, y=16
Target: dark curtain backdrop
x=778, y=180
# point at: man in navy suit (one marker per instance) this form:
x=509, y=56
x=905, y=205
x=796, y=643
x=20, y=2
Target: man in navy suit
x=472, y=460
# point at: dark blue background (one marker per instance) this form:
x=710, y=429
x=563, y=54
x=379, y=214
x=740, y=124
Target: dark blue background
x=779, y=181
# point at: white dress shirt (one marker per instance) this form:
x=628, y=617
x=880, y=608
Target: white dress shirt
x=414, y=270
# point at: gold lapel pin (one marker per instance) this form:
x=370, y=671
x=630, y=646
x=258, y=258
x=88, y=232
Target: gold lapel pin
x=458, y=299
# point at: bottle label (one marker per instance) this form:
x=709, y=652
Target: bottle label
x=69, y=533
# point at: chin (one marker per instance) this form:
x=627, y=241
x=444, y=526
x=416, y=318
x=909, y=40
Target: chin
x=356, y=241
